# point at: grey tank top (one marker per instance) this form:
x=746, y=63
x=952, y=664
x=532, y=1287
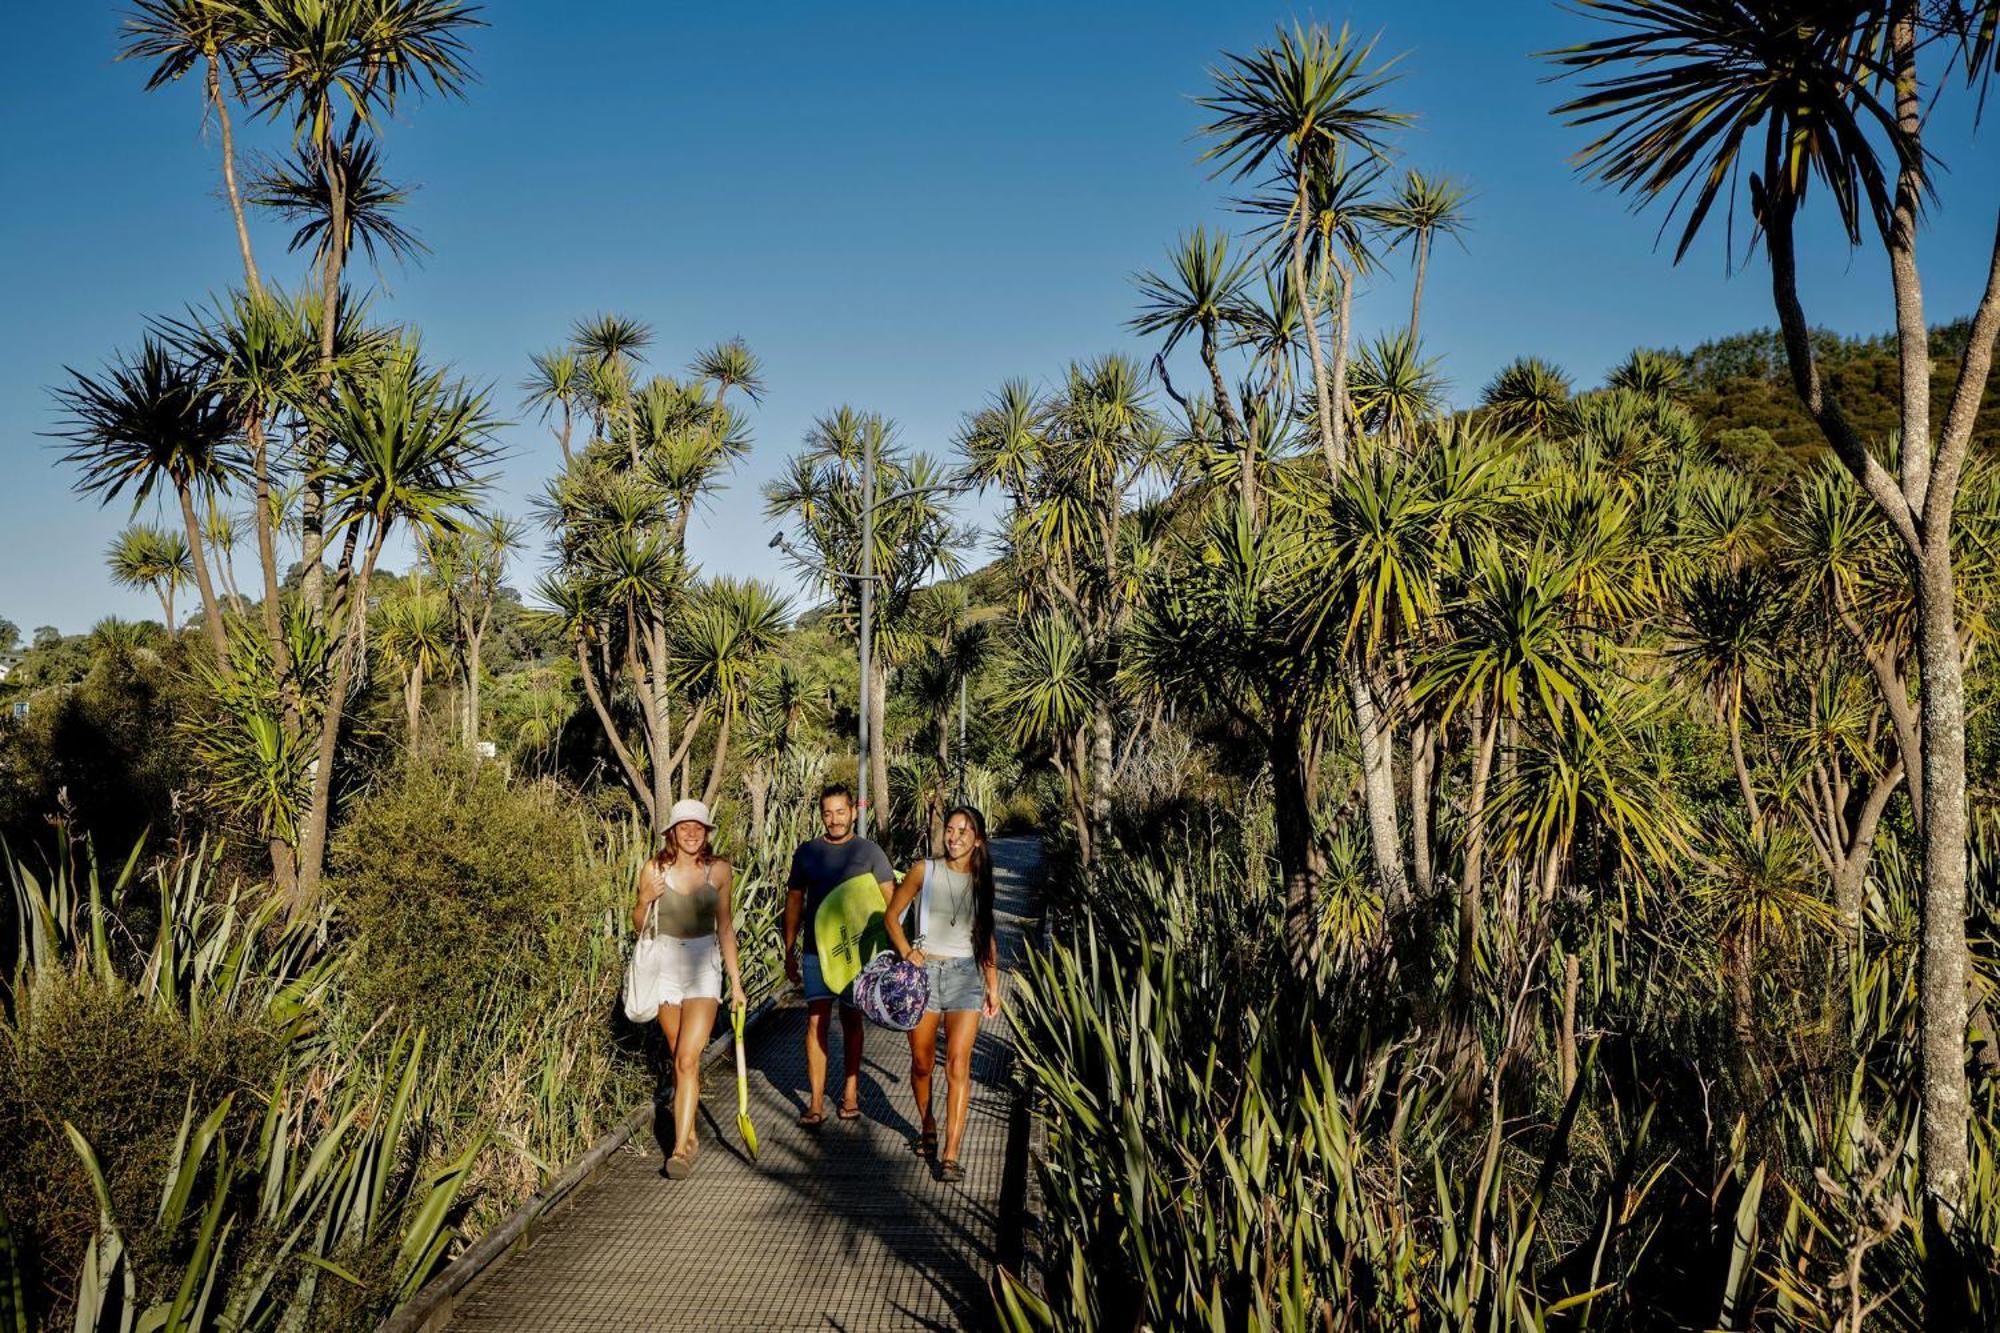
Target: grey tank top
x=685, y=916
x=945, y=917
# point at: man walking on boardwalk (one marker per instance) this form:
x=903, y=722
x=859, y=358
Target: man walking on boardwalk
x=818, y=868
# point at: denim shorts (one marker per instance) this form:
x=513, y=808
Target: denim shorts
x=956, y=984
x=810, y=976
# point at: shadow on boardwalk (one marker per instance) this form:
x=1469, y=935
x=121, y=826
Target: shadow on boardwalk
x=841, y=1227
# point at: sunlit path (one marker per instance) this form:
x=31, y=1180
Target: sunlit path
x=843, y=1227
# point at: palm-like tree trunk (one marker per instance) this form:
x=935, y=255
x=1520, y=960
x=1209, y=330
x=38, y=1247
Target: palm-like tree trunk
x=1921, y=514
x=1734, y=716
x=655, y=685
x=1459, y=1039
x=627, y=765
x=757, y=782
x=1912, y=334
x=1071, y=760
x=312, y=517
x=1465, y=974
x=319, y=810
x=713, y=787
x=1895, y=694
x=1378, y=790
x=1101, y=766
x=413, y=700
x=1849, y=847
x=221, y=105
x=677, y=762
x=1343, y=321
x=1566, y=1051
x=475, y=669
x=267, y=550
x=1944, y=971
x=1423, y=756
x=284, y=856
x=1330, y=428
x=1377, y=740
x=211, y=613
x=225, y=569
x=1292, y=810
x=1417, y=290
x=1233, y=432
x=643, y=669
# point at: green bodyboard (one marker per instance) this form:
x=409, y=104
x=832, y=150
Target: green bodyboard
x=847, y=929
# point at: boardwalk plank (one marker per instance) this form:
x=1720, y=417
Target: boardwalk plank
x=839, y=1228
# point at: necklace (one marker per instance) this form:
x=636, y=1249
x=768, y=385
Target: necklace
x=959, y=894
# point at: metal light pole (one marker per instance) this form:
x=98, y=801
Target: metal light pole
x=867, y=611
x=870, y=726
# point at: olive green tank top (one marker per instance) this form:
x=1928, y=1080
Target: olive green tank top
x=686, y=916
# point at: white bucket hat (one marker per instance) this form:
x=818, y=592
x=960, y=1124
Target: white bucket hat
x=690, y=809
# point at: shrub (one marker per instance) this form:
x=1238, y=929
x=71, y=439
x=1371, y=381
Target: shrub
x=462, y=890
x=108, y=744
x=1021, y=814
x=122, y=1071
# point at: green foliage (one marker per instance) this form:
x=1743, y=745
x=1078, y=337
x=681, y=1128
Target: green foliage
x=1227, y=1148
x=107, y=748
x=157, y=559
x=51, y=659
x=91, y=1053
x=458, y=885
x=1395, y=388
x=1229, y=1144
x=151, y=416
x=323, y=1166
x=256, y=769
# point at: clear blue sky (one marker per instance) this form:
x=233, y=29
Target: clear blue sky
x=898, y=205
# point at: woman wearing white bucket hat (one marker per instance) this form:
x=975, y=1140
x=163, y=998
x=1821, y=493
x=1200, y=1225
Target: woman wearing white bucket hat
x=684, y=906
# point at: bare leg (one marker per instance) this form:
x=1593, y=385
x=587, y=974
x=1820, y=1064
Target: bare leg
x=852, y=1030
x=819, y=1013
x=670, y=1025
x=923, y=1059
x=961, y=1031
x=697, y=1021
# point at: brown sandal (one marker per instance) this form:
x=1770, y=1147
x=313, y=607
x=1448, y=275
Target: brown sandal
x=812, y=1119
x=850, y=1113
x=681, y=1165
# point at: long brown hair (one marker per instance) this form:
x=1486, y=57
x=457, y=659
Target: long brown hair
x=982, y=881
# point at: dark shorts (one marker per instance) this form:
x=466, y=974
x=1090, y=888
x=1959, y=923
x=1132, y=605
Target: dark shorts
x=815, y=987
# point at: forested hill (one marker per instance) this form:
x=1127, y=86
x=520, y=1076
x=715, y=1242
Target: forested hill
x=1741, y=390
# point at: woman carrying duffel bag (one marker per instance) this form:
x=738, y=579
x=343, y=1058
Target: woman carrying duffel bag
x=955, y=947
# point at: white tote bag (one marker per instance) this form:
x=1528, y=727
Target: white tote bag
x=642, y=974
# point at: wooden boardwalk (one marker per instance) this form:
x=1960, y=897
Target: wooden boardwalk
x=839, y=1228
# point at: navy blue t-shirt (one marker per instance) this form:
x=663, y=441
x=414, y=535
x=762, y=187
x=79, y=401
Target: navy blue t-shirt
x=819, y=867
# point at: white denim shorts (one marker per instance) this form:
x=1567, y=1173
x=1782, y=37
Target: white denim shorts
x=688, y=969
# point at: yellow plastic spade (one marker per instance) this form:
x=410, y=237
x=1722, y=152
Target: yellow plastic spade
x=743, y=1125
